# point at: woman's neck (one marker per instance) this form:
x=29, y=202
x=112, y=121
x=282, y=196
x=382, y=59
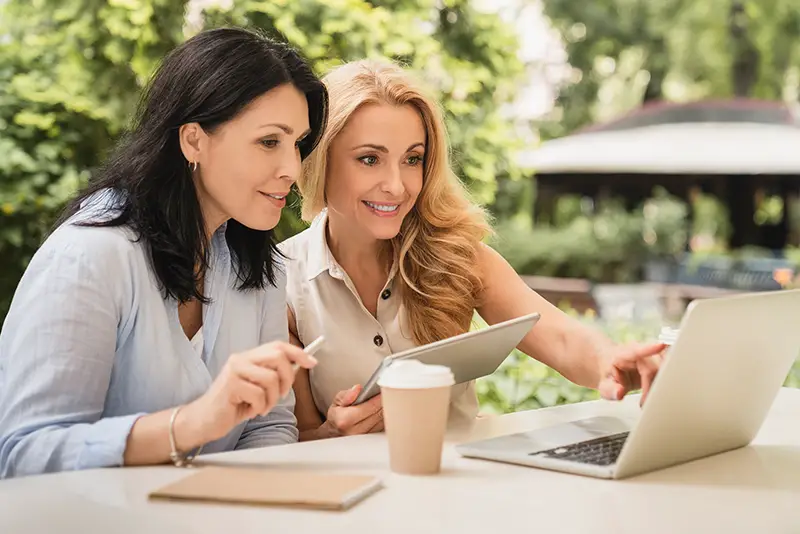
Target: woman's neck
x=213, y=216
x=358, y=254
x=213, y=219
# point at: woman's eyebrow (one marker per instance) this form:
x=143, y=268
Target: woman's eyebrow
x=380, y=148
x=286, y=128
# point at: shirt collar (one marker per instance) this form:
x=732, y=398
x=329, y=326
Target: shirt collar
x=320, y=258
x=219, y=243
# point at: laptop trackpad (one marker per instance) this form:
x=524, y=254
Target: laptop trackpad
x=557, y=435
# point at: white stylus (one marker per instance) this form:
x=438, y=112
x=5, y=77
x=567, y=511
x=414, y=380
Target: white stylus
x=311, y=348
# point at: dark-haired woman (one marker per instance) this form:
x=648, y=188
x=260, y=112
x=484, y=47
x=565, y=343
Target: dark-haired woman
x=151, y=323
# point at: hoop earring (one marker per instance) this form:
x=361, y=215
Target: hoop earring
x=194, y=166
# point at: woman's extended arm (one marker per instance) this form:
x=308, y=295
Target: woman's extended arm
x=579, y=352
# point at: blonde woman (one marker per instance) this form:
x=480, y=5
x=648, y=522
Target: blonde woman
x=394, y=258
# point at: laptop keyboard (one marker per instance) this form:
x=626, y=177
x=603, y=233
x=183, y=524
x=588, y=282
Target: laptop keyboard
x=600, y=451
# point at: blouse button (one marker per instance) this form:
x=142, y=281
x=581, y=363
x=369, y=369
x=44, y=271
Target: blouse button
x=386, y=294
x=378, y=340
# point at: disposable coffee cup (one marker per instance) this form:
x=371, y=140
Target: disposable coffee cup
x=416, y=402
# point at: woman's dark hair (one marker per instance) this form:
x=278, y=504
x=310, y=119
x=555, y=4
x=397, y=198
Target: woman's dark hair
x=209, y=79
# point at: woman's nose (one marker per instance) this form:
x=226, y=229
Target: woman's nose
x=291, y=167
x=394, y=183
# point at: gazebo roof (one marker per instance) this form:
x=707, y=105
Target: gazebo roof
x=707, y=137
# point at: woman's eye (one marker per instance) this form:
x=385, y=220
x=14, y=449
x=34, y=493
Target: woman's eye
x=368, y=160
x=414, y=160
x=270, y=143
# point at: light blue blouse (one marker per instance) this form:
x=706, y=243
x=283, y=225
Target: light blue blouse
x=90, y=344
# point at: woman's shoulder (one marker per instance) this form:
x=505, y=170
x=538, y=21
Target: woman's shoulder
x=95, y=266
x=295, y=250
x=297, y=264
x=83, y=238
x=102, y=252
x=301, y=248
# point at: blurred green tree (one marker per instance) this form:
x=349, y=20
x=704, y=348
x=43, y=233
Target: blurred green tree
x=71, y=73
x=626, y=52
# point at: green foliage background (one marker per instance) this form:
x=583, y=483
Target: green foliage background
x=71, y=73
x=522, y=383
x=626, y=52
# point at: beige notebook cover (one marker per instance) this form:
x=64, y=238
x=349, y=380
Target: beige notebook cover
x=264, y=486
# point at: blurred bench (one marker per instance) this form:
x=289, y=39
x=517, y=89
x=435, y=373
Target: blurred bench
x=575, y=292
x=633, y=301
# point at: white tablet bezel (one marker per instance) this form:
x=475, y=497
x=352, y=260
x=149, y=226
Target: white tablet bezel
x=371, y=388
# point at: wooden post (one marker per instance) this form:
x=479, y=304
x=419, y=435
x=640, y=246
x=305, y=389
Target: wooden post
x=786, y=222
x=544, y=201
x=740, y=199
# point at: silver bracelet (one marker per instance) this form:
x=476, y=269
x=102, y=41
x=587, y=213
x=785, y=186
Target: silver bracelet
x=179, y=459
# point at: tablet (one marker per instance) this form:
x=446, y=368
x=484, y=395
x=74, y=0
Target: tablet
x=469, y=356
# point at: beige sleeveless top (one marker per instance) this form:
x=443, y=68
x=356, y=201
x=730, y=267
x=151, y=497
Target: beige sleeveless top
x=325, y=302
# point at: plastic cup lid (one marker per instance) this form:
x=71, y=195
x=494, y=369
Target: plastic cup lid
x=413, y=374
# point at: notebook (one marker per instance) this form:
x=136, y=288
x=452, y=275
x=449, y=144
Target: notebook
x=270, y=487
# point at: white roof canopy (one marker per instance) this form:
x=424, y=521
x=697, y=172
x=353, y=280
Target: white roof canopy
x=677, y=148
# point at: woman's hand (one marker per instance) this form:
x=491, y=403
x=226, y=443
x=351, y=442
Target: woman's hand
x=629, y=367
x=346, y=420
x=250, y=384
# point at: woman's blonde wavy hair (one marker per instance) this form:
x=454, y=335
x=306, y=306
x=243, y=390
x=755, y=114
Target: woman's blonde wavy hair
x=438, y=244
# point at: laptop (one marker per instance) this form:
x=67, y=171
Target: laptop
x=469, y=356
x=714, y=389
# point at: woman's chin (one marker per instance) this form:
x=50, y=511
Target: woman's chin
x=261, y=222
x=385, y=230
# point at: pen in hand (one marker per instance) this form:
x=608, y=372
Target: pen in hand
x=311, y=349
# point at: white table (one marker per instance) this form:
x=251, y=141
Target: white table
x=754, y=490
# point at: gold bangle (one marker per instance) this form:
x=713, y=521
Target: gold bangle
x=179, y=459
